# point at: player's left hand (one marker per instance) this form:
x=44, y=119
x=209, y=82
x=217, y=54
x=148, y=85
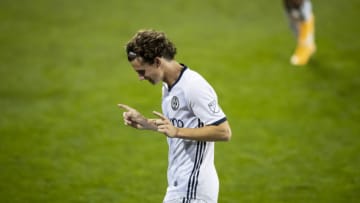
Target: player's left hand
x=164, y=125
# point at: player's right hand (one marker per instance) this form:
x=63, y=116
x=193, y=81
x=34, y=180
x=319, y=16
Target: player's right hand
x=135, y=119
x=131, y=116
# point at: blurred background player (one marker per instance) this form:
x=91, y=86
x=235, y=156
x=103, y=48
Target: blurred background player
x=301, y=20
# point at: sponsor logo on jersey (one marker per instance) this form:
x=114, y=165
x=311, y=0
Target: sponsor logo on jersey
x=177, y=122
x=175, y=103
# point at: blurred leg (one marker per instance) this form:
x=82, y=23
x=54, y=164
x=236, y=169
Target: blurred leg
x=301, y=20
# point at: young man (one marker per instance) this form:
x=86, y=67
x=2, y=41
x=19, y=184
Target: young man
x=301, y=20
x=192, y=119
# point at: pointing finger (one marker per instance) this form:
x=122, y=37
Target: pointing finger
x=160, y=115
x=125, y=107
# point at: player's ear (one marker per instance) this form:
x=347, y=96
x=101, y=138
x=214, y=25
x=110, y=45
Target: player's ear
x=157, y=61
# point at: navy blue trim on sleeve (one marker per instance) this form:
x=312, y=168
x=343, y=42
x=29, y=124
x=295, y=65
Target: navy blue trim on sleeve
x=219, y=121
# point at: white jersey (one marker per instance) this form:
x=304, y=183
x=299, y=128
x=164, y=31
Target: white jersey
x=191, y=103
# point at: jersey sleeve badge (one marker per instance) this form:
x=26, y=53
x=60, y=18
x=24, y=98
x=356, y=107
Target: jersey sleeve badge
x=214, y=107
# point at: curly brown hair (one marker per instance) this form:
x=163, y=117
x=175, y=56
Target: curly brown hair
x=149, y=44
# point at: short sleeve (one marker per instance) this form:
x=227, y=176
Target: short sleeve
x=203, y=102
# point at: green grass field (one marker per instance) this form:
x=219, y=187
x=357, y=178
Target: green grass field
x=63, y=70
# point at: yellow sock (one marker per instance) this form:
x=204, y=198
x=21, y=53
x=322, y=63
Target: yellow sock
x=305, y=44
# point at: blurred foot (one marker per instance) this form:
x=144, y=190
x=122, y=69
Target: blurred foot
x=302, y=54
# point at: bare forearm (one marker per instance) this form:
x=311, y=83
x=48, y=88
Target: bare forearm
x=207, y=133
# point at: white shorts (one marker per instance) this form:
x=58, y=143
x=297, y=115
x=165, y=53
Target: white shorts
x=183, y=200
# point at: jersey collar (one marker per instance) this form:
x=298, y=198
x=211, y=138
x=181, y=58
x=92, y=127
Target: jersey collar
x=178, y=79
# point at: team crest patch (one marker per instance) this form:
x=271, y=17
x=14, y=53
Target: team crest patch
x=213, y=107
x=175, y=103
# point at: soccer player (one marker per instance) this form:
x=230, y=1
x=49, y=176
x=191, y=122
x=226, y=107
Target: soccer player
x=301, y=20
x=192, y=119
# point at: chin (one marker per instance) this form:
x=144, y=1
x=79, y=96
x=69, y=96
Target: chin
x=154, y=82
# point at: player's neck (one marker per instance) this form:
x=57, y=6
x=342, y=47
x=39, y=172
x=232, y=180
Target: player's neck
x=172, y=72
